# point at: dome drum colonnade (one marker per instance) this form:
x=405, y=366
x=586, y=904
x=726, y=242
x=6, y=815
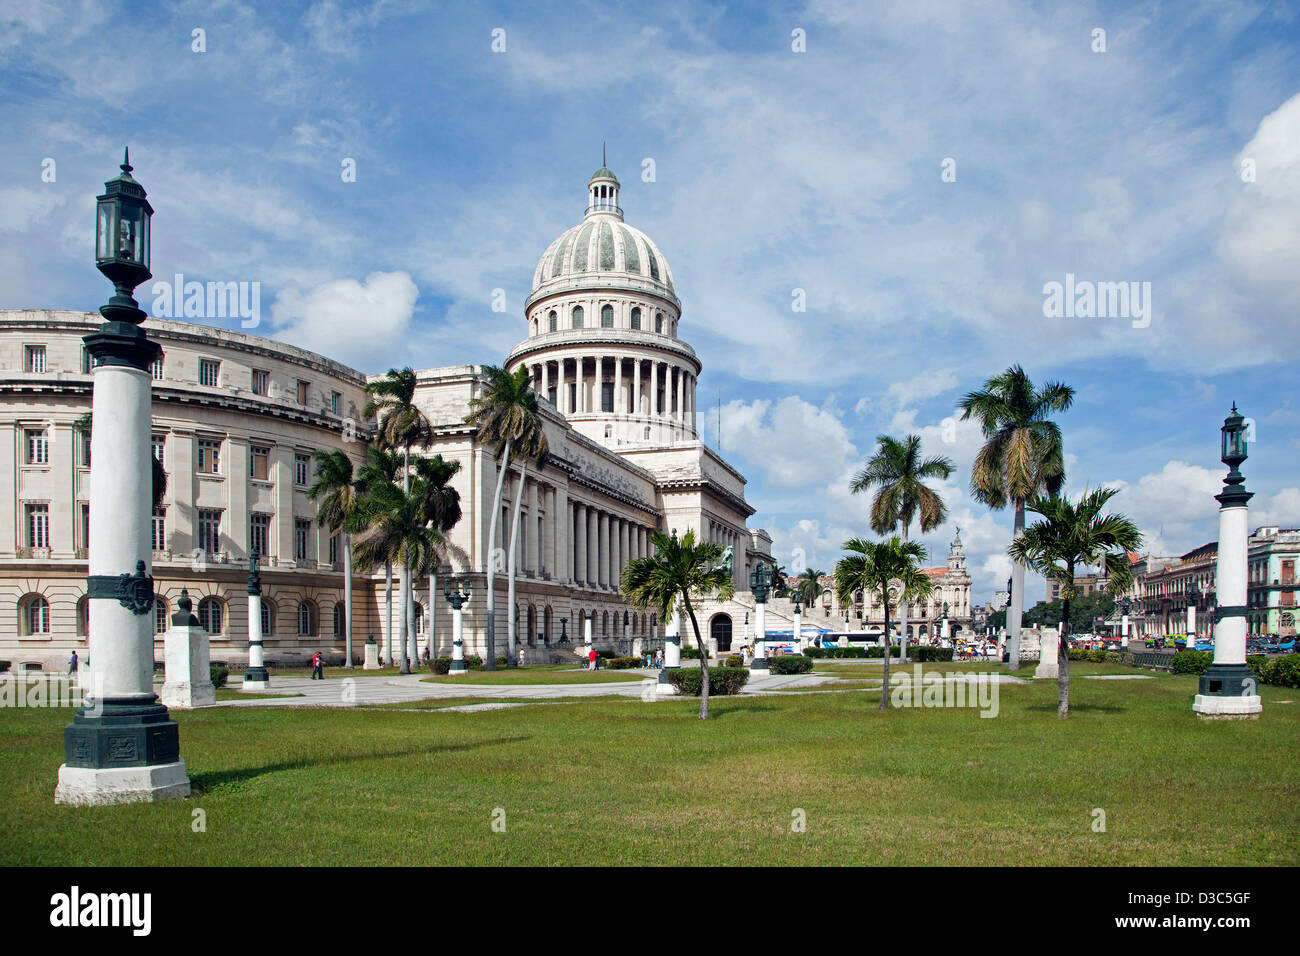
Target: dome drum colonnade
x=602, y=342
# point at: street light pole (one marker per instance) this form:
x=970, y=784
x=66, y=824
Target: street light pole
x=760, y=585
x=456, y=594
x=122, y=747
x=1228, y=686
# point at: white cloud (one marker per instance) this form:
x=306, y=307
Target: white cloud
x=359, y=324
x=792, y=442
x=1282, y=509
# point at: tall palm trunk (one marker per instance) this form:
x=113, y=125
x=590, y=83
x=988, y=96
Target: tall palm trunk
x=902, y=623
x=512, y=621
x=490, y=657
x=388, y=612
x=407, y=638
x=1063, y=659
x=1016, y=607
x=432, y=646
x=704, y=657
x=347, y=595
x=884, y=690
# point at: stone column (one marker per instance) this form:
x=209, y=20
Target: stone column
x=1228, y=688
x=636, y=386
x=1191, y=626
x=546, y=378
x=602, y=552
x=561, y=390
x=580, y=543
x=256, y=677
x=189, y=679
x=593, y=547
x=654, y=388
x=620, y=404
x=122, y=747
x=681, y=395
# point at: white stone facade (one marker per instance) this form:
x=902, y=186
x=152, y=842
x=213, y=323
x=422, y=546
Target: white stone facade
x=614, y=476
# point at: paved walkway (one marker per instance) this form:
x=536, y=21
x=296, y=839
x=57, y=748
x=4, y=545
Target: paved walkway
x=348, y=692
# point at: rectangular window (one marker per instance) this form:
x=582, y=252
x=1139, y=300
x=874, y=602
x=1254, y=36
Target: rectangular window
x=156, y=369
x=159, y=445
x=85, y=525
x=336, y=403
x=301, y=535
x=302, y=392
x=261, y=382
x=334, y=549
x=259, y=534
x=34, y=358
x=209, y=372
x=301, y=470
x=210, y=531
x=209, y=456
x=87, y=361
x=606, y=396
x=159, y=529
x=38, y=446
x=38, y=526
x=85, y=449
x=257, y=462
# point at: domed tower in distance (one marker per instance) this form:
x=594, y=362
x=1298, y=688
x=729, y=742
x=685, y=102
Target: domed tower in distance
x=602, y=342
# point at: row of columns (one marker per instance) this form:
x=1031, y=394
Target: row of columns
x=648, y=376
x=603, y=544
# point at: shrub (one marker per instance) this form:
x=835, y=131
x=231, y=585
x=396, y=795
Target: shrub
x=923, y=653
x=1097, y=656
x=816, y=652
x=1282, y=672
x=790, y=664
x=1078, y=654
x=723, y=681
x=1117, y=657
x=606, y=654
x=218, y=673
x=624, y=663
x=690, y=653
x=1191, y=662
x=440, y=665
x=1257, y=663
x=735, y=660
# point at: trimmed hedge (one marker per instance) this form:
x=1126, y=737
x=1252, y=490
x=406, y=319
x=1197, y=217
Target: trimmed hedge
x=734, y=660
x=1281, y=671
x=218, y=673
x=440, y=665
x=723, y=681
x=690, y=653
x=624, y=663
x=923, y=653
x=790, y=664
x=1191, y=662
x=837, y=652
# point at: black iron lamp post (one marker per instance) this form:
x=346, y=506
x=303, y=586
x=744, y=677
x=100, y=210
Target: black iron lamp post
x=760, y=584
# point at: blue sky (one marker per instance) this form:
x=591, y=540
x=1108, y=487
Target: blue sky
x=774, y=170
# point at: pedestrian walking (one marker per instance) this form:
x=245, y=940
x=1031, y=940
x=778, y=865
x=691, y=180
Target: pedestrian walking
x=72, y=664
x=317, y=667
x=591, y=659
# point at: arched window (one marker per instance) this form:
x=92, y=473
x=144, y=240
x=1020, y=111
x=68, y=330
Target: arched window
x=83, y=615
x=553, y=319
x=306, y=619
x=34, y=615
x=659, y=322
x=161, y=621
x=606, y=316
x=636, y=318
x=419, y=619
x=210, y=615
x=577, y=316
x=268, y=617
x=340, y=619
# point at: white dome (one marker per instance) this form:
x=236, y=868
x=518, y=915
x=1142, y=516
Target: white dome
x=603, y=252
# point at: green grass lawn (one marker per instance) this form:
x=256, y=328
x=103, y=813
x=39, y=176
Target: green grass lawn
x=229, y=693
x=629, y=782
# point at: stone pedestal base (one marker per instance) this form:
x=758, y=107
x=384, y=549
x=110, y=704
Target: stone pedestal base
x=760, y=672
x=256, y=684
x=187, y=696
x=1227, y=708
x=96, y=786
x=458, y=669
x=372, y=658
x=1048, y=661
x=664, y=687
x=188, y=676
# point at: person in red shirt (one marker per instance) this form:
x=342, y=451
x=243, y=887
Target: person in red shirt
x=317, y=667
x=591, y=658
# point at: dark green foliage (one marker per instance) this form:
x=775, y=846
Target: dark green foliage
x=1191, y=662
x=440, y=665
x=1281, y=672
x=734, y=660
x=218, y=673
x=690, y=653
x=723, y=681
x=839, y=652
x=1082, y=612
x=624, y=663
x=790, y=664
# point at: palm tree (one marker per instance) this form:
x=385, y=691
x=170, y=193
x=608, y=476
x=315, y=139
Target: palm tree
x=339, y=509
x=1022, y=457
x=439, y=506
x=780, y=581
x=378, y=473
x=1068, y=536
x=676, y=570
x=808, y=586
x=401, y=425
x=891, y=572
x=898, y=473
x=505, y=415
